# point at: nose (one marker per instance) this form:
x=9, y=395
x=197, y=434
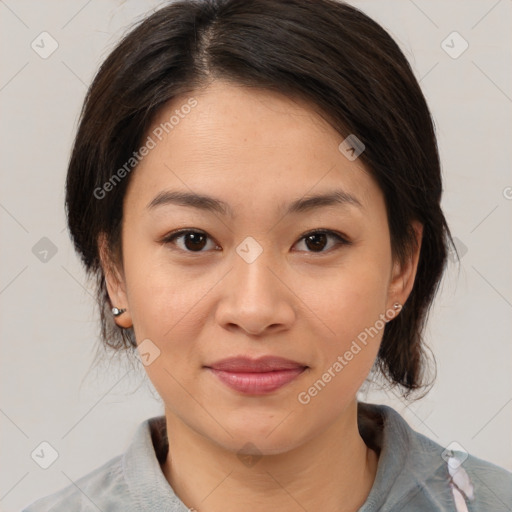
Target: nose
x=255, y=299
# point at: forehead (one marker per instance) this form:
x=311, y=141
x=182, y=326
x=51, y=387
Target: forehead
x=248, y=144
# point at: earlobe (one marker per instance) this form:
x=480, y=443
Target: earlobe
x=115, y=285
x=404, y=274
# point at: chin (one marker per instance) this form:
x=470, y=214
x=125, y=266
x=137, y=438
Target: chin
x=254, y=436
x=255, y=445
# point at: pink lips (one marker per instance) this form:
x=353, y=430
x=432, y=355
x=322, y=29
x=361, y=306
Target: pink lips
x=256, y=376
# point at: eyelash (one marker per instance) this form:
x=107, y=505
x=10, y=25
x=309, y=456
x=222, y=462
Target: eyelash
x=341, y=240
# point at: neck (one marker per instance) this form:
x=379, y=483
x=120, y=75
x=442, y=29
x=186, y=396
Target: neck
x=334, y=471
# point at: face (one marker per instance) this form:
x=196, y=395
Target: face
x=256, y=269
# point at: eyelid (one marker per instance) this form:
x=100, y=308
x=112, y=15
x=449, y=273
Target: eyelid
x=170, y=237
x=341, y=240
x=331, y=232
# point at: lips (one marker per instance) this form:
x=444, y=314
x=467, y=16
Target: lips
x=256, y=376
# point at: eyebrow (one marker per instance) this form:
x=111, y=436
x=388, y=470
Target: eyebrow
x=214, y=205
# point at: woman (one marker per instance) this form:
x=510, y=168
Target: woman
x=256, y=186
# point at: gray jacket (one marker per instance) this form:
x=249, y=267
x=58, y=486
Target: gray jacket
x=414, y=474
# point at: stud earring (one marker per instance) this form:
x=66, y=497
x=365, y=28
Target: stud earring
x=117, y=311
x=393, y=313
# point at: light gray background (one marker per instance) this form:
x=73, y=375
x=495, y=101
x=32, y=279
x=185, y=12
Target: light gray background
x=48, y=321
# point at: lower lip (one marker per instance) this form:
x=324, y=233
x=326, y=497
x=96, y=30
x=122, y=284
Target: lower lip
x=257, y=383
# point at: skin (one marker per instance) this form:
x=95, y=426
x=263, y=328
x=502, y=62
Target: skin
x=257, y=151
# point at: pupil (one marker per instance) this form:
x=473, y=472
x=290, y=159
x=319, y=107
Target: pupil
x=194, y=238
x=311, y=238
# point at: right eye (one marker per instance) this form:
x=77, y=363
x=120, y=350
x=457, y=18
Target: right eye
x=188, y=240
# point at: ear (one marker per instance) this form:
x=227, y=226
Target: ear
x=114, y=280
x=403, y=275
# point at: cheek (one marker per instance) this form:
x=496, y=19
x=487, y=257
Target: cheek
x=351, y=297
x=164, y=299
x=168, y=308
x=350, y=307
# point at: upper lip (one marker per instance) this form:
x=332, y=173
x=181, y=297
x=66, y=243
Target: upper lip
x=260, y=364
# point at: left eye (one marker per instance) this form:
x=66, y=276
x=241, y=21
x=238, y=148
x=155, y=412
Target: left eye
x=195, y=241
x=317, y=240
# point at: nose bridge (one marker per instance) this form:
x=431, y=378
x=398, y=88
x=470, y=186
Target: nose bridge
x=251, y=268
x=254, y=298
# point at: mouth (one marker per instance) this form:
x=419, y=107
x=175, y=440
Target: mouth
x=256, y=376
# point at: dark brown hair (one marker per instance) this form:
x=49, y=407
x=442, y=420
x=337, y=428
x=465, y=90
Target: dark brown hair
x=326, y=52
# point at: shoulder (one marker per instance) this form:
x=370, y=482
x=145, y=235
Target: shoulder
x=132, y=482
x=416, y=471
x=89, y=493
x=481, y=484
x=489, y=486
